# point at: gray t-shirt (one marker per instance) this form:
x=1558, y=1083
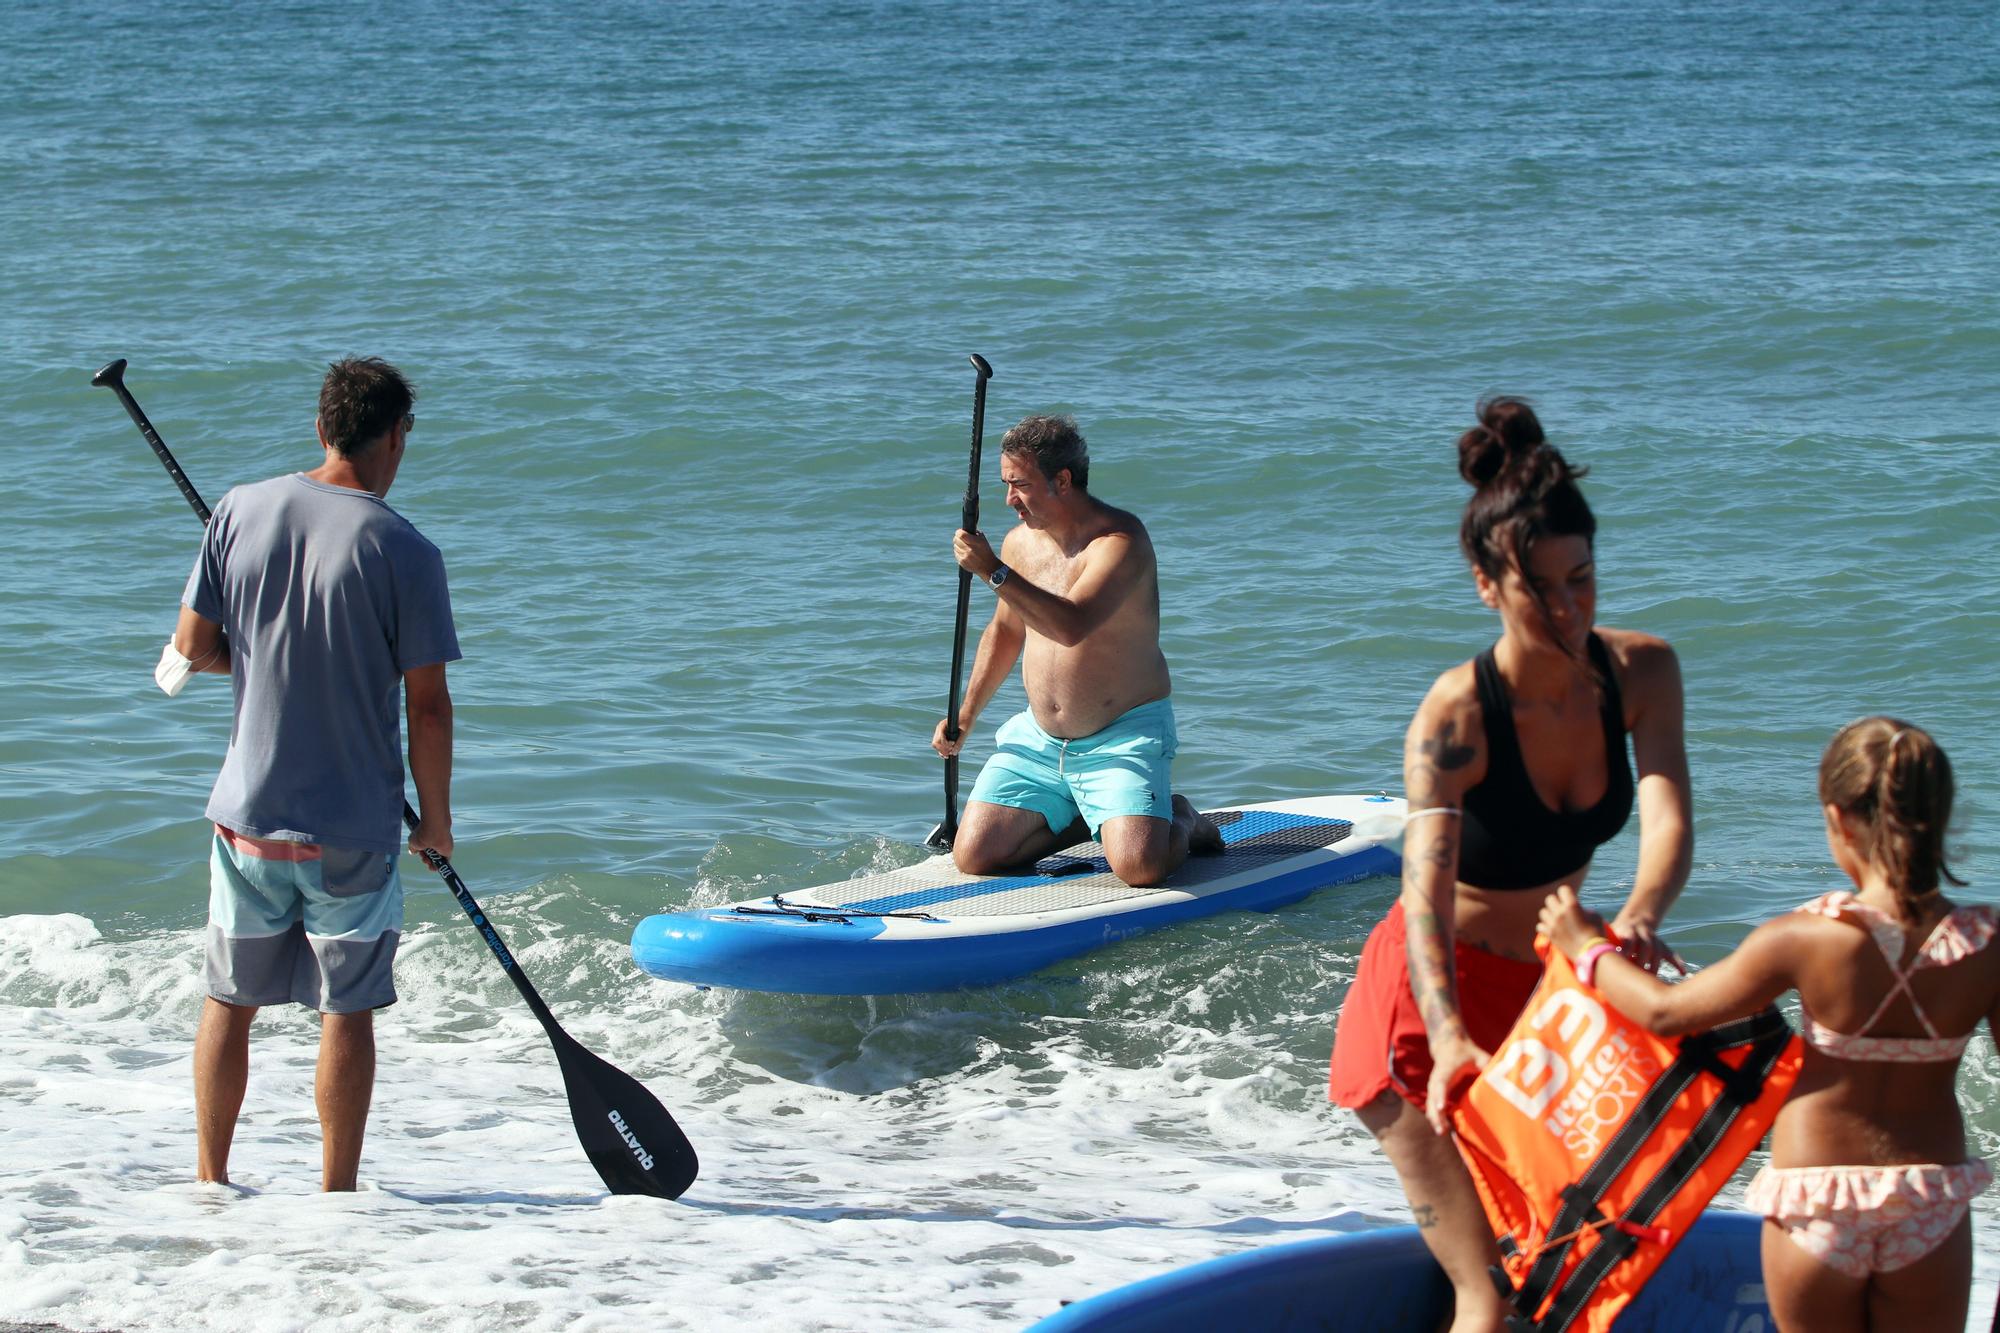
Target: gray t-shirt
x=328, y=596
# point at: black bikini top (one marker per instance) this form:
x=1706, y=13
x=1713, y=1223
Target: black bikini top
x=1509, y=839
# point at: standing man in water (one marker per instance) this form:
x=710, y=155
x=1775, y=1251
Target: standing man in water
x=1092, y=755
x=323, y=604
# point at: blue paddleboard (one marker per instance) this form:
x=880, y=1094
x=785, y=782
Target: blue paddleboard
x=1372, y=1281
x=929, y=927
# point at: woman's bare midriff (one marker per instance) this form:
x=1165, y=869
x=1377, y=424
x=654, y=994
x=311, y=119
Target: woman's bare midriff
x=1847, y=1113
x=1502, y=921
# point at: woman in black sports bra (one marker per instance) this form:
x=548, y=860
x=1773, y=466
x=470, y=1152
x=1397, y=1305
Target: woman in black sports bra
x=1516, y=771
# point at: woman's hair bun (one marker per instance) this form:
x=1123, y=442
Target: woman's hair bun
x=1508, y=431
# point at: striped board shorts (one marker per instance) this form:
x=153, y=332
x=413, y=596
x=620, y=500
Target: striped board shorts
x=298, y=922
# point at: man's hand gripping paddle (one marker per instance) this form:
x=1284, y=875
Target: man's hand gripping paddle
x=629, y=1137
x=944, y=834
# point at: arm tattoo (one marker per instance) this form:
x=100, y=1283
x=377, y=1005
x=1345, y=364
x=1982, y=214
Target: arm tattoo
x=1420, y=784
x=1430, y=867
x=1433, y=978
x=1425, y=1216
x=1443, y=750
x=1443, y=851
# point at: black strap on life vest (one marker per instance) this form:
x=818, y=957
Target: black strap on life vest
x=1766, y=1034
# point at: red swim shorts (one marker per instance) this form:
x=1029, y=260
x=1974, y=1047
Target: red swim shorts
x=1380, y=1041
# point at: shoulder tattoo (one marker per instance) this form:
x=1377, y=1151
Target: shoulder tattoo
x=1443, y=750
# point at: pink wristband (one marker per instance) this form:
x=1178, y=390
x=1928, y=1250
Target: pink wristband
x=1586, y=966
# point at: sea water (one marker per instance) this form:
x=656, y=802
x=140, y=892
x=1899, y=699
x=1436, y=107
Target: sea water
x=688, y=292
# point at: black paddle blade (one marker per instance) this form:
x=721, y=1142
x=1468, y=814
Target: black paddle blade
x=939, y=839
x=630, y=1138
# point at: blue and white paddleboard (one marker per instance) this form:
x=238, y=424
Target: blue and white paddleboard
x=929, y=927
x=1367, y=1281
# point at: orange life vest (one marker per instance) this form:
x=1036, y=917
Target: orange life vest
x=1595, y=1145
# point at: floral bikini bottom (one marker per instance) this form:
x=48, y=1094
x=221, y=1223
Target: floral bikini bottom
x=1859, y=1220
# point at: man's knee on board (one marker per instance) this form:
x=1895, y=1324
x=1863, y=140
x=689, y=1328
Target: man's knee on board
x=975, y=851
x=1143, y=862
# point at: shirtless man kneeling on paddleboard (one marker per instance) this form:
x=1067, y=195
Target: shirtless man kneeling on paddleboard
x=1091, y=756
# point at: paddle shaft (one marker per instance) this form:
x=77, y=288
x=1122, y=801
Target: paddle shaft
x=113, y=377
x=609, y=1089
x=968, y=520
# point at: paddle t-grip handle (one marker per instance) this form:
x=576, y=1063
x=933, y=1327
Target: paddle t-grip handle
x=112, y=377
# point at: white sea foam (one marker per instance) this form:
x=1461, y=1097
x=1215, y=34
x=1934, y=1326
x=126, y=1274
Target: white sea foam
x=904, y=1163
x=892, y=1165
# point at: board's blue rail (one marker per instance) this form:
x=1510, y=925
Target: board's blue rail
x=833, y=957
x=922, y=929
x=1368, y=1281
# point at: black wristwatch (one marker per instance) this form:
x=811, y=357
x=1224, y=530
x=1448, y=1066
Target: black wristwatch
x=999, y=575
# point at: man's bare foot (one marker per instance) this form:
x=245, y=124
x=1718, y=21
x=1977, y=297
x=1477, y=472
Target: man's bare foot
x=1204, y=838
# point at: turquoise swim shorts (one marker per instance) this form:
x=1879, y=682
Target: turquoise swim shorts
x=1124, y=769
x=298, y=922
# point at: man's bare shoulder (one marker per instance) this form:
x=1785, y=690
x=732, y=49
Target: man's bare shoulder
x=1121, y=528
x=1022, y=542
x=1119, y=520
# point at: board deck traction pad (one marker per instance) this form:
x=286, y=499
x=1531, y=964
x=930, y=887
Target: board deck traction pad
x=1077, y=877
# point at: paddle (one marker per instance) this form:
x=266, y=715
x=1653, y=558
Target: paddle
x=944, y=834
x=629, y=1137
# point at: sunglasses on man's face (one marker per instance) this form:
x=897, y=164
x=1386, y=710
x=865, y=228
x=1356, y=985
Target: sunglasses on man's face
x=409, y=422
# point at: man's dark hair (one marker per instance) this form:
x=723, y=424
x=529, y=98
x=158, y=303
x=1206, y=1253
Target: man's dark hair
x=1054, y=443
x=361, y=398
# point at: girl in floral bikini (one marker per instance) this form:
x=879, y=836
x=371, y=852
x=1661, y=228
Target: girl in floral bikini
x=1866, y=1197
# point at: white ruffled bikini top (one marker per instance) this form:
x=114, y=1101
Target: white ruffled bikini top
x=1960, y=935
